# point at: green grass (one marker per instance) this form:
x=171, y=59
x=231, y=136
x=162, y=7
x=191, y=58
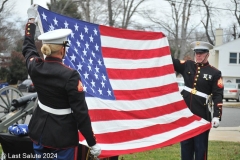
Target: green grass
x=217, y=150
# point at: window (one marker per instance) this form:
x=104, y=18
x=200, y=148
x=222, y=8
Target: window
x=239, y=58
x=233, y=58
x=237, y=80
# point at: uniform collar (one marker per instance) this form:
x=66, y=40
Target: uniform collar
x=53, y=59
x=202, y=64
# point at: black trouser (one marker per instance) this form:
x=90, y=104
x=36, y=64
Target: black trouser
x=197, y=145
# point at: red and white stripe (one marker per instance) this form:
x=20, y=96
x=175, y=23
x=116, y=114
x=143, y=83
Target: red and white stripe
x=148, y=112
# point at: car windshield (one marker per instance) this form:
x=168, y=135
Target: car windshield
x=28, y=81
x=180, y=83
x=229, y=85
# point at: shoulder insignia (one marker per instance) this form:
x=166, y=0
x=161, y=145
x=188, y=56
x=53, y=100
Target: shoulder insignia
x=182, y=61
x=80, y=86
x=220, y=83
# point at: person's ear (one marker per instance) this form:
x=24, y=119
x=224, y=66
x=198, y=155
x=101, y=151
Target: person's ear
x=63, y=52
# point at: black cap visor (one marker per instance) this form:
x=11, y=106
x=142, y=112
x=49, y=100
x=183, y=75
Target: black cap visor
x=201, y=51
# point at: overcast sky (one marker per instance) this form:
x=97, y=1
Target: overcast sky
x=21, y=6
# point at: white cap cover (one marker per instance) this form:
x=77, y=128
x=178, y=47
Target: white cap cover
x=200, y=45
x=58, y=36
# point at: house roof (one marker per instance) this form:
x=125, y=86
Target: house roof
x=226, y=44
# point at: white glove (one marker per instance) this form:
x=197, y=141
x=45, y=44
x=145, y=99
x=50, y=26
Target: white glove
x=95, y=150
x=32, y=11
x=215, y=122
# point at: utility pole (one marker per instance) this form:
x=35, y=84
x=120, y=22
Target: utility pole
x=31, y=2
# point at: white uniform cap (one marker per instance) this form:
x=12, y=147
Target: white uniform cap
x=58, y=36
x=200, y=45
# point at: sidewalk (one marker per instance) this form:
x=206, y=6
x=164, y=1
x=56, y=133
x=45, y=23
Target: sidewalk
x=231, y=134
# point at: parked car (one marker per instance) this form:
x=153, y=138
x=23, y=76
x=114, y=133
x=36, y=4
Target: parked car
x=231, y=91
x=26, y=86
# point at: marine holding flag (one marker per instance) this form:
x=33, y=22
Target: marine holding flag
x=62, y=109
x=202, y=82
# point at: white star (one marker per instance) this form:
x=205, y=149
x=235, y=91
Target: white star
x=96, y=76
x=97, y=69
x=24, y=130
x=90, y=60
x=93, y=90
x=93, y=54
x=86, y=29
x=86, y=75
x=75, y=49
x=76, y=27
x=89, y=68
x=69, y=42
x=78, y=43
x=93, y=83
x=91, y=38
x=55, y=21
x=84, y=88
x=73, y=58
x=67, y=48
x=100, y=91
x=82, y=36
x=99, y=62
x=51, y=27
x=104, y=77
x=96, y=47
x=66, y=24
x=95, y=31
x=44, y=16
x=87, y=45
x=79, y=66
x=109, y=92
x=82, y=59
x=103, y=84
x=84, y=52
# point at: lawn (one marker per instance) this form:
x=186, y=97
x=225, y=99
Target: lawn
x=217, y=150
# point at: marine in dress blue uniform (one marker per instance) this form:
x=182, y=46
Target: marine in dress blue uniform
x=201, y=82
x=62, y=110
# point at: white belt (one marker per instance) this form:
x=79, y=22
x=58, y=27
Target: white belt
x=194, y=91
x=54, y=111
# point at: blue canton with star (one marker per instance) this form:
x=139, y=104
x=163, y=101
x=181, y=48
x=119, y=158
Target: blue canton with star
x=84, y=53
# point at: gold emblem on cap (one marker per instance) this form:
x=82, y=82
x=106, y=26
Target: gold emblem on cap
x=197, y=43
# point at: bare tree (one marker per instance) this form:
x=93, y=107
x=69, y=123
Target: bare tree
x=236, y=10
x=129, y=9
x=114, y=10
x=2, y=5
x=65, y=7
x=177, y=26
x=8, y=29
x=208, y=23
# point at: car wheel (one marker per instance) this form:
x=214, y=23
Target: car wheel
x=226, y=100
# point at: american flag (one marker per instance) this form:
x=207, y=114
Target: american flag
x=130, y=85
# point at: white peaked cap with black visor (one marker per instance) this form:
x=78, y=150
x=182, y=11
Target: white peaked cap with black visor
x=201, y=47
x=58, y=36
